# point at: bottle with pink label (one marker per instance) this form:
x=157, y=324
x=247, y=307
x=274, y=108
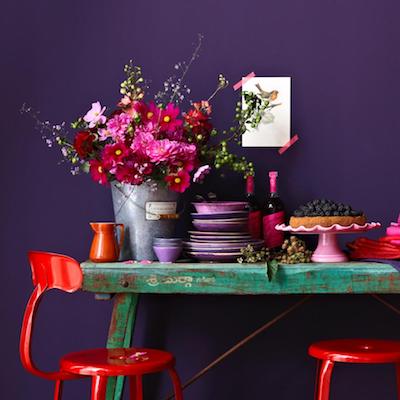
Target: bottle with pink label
x=273, y=214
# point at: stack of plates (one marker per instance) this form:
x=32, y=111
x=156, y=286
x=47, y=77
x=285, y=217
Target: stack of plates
x=220, y=233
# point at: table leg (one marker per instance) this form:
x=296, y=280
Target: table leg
x=120, y=335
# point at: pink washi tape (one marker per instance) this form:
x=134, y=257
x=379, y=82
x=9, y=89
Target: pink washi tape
x=290, y=143
x=239, y=84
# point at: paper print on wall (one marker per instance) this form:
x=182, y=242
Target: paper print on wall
x=271, y=96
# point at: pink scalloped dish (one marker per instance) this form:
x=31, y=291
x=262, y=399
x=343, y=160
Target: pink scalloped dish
x=328, y=249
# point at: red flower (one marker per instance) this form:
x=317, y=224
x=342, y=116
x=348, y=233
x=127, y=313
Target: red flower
x=128, y=174
x=169, y=121
x=83, y=143
x=198, y=123
x=114, y=154
x=179, y=181
x=98, y=172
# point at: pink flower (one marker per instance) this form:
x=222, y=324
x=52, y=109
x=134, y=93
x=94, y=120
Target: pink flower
x=175, y=135
x=98, y=172
x=114, y=154
x=136, y=109
x=185, y=157
x=125, y=102
x=162, y=150
x=95, y=115
x=179, y=181
x=151, y=114
x=168, y=120
x=201, y=173
x=118, y=125
x=104, y=134
x=144, y=137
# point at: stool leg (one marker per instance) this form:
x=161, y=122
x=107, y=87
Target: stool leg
x=176, y=383
x=135, y=387
x=58, y=390
x=99, y=386
x=398, y=380
x=323, y=380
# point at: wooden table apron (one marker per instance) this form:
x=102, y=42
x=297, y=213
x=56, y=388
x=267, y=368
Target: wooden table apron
x=127, y=280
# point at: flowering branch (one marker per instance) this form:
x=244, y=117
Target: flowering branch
x=187, y=66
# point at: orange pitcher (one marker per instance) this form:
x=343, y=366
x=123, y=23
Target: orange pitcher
x=105, y=247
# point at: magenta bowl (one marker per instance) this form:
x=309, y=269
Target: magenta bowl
x=167, y=254
x=219, y=206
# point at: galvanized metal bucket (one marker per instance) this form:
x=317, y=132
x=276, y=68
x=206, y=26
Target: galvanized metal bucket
x=147, y=211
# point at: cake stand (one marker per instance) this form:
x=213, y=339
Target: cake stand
x=328, y=249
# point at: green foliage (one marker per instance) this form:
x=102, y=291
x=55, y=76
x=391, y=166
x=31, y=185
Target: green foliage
x=132, y=86
x=79, y=124
x=293, y=251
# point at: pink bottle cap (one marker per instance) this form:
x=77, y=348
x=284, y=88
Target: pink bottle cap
x=272, y=180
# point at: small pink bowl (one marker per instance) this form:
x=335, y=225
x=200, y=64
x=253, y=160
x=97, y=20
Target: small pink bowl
x=219, y=206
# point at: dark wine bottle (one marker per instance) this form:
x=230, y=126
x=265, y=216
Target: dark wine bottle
x=254, y=209
x=273, y=214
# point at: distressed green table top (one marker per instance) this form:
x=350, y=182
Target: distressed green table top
x=206, y=278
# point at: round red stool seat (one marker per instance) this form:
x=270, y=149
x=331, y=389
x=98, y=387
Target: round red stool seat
x=366, y=351
x=114, y=362
x=369, y=351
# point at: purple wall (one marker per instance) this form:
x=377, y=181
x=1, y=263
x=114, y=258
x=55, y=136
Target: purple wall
x=59, y=56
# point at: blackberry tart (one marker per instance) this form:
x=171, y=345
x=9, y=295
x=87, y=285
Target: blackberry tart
x=326, y=213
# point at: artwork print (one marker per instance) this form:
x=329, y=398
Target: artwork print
x=271, y=96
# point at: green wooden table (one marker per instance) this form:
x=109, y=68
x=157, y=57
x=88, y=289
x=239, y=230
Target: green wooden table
x=127, y=280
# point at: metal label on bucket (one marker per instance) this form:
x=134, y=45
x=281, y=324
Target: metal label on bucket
x=155, y=209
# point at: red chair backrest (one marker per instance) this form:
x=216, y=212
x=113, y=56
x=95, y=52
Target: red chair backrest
x=55, y=271
x=49, y=271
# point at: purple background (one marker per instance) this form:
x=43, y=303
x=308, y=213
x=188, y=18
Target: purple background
x=60, y=55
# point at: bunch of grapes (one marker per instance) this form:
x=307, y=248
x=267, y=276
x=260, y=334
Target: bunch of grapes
x=326, y=208
x=294, y=251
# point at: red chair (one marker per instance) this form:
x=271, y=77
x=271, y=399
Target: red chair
x=55, y=271
x=355, y=351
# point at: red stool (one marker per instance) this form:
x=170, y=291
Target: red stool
x=55, y=271
x=355, y=351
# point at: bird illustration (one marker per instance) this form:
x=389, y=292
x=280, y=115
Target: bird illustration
x=270, y=96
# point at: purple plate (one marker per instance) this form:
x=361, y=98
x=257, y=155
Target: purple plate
x=216, y=249
x=233, y=235
x=226, y=215
x=206, y=256
x=221, y=221
x=224, y=245
x=218, y=239
x=222, y=226
x=219, y=206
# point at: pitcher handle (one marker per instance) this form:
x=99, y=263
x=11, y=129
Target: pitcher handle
x=121, y=237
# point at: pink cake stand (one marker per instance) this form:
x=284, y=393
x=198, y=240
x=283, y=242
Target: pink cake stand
x=328, y=249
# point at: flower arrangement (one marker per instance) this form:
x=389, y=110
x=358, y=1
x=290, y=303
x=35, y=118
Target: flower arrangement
x=152, y=140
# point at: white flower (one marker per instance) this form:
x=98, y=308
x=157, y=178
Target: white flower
x=95, y=115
